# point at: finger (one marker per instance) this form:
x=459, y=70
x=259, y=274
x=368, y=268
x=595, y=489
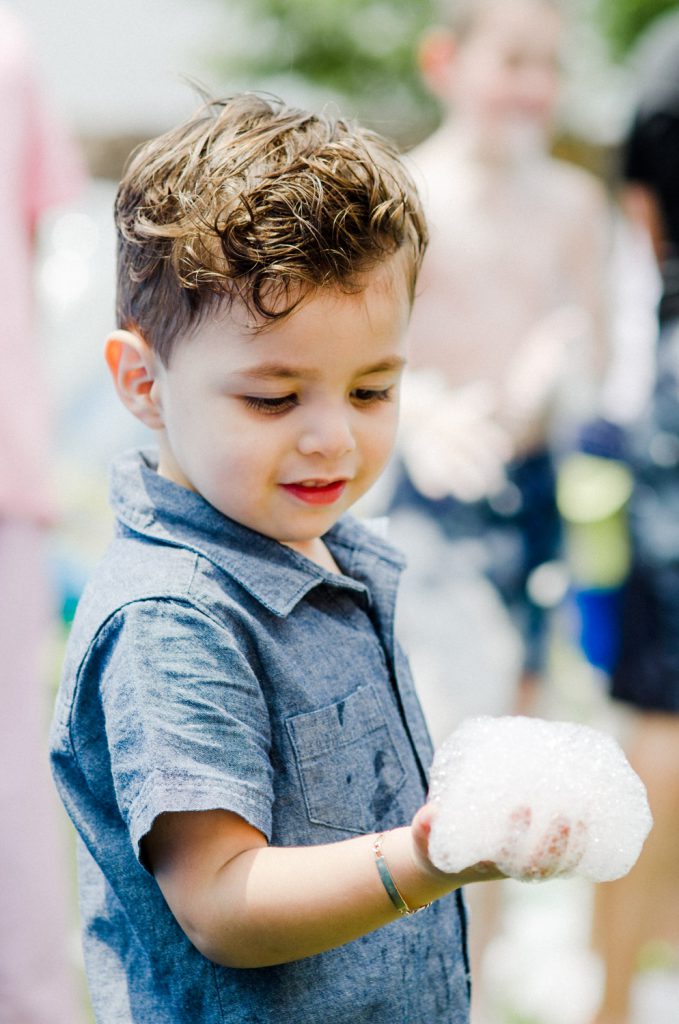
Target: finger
x=421, y=826
x=509, y=858
x=575, y=851
x=424, y=818
x=550, y=851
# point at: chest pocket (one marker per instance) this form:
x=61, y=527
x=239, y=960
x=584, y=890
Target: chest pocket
x=349, y=766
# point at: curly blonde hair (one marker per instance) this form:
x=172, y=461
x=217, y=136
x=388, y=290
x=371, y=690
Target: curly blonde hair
x=256, y=202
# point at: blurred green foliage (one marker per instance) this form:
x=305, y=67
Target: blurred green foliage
x=623, y=21
x=361, y=51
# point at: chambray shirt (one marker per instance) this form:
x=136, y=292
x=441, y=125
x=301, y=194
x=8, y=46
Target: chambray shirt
x=212, y=667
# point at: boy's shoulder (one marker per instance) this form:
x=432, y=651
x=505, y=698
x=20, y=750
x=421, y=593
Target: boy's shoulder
x=132, y=569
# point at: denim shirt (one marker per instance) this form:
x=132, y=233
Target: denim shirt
x=212, y=667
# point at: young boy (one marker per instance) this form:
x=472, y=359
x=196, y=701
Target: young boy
x=236, y=723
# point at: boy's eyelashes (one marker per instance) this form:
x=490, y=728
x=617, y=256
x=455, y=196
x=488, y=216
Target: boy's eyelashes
x=270, y=405
x=283, y=403
x=365, y=396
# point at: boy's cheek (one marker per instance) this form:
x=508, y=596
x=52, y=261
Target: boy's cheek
x=384, y=444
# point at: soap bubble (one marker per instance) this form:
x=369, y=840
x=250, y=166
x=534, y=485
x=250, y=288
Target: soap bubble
x=540, y=799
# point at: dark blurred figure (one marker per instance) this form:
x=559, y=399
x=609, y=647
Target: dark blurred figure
x=644, y=906
x=38, y=168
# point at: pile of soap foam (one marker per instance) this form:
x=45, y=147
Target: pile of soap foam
x=538, y=798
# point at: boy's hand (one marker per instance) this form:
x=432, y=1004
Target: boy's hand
x=557, y=851
x=484, y=871
x=540, y=799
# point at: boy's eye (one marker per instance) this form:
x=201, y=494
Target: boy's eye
x=271, y=405
x=367, y=396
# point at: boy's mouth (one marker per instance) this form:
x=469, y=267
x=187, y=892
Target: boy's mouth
x=317, y=492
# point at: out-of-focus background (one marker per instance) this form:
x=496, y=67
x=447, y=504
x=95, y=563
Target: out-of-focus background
x=118, y=73
x=121, y=73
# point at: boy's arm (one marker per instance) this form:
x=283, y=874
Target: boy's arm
x=245, y=904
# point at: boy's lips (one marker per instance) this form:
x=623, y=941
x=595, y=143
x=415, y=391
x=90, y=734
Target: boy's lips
x=317, y=492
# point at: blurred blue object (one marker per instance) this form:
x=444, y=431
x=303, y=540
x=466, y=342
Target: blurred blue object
x=603, y=438
x=69, y=577
x=599, y=617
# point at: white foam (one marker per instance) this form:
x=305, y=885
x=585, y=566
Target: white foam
x=540, y=799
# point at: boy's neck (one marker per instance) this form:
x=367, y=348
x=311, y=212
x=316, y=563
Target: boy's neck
x=316, y=551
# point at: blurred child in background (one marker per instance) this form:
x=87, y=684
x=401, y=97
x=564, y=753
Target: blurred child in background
x=38, y=169
x=511, y=305
x=645, y=905
x=511, y=314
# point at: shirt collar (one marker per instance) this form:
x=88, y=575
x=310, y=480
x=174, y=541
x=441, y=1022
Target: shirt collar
x=274, y=574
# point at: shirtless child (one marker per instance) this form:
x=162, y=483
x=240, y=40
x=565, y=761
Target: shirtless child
x=510, y=316
x=510, y=308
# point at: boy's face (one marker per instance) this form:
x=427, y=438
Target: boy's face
x=284, y=430
x=505, y=76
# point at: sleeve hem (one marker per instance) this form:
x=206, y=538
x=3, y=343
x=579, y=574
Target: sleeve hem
x=164, y=795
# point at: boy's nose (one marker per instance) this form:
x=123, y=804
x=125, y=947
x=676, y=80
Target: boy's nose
x=327, y=435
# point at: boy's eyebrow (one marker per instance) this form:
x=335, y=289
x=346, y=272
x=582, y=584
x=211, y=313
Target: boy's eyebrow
x=278, y=371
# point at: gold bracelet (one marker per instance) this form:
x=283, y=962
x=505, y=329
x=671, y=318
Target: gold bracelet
x=389, y=883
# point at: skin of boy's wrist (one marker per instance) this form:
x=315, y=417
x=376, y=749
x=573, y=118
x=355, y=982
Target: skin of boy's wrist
x=416, y=878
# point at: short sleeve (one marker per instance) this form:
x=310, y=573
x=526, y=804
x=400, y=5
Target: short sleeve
x=186, y=721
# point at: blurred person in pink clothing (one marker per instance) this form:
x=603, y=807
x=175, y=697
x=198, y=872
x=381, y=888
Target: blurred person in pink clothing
x=509, y=334
x=39, y=168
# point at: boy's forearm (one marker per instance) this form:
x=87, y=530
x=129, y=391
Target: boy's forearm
x=274, y=904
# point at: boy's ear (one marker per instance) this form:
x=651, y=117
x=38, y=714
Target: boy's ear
x=133, y=366
x=436, y=57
